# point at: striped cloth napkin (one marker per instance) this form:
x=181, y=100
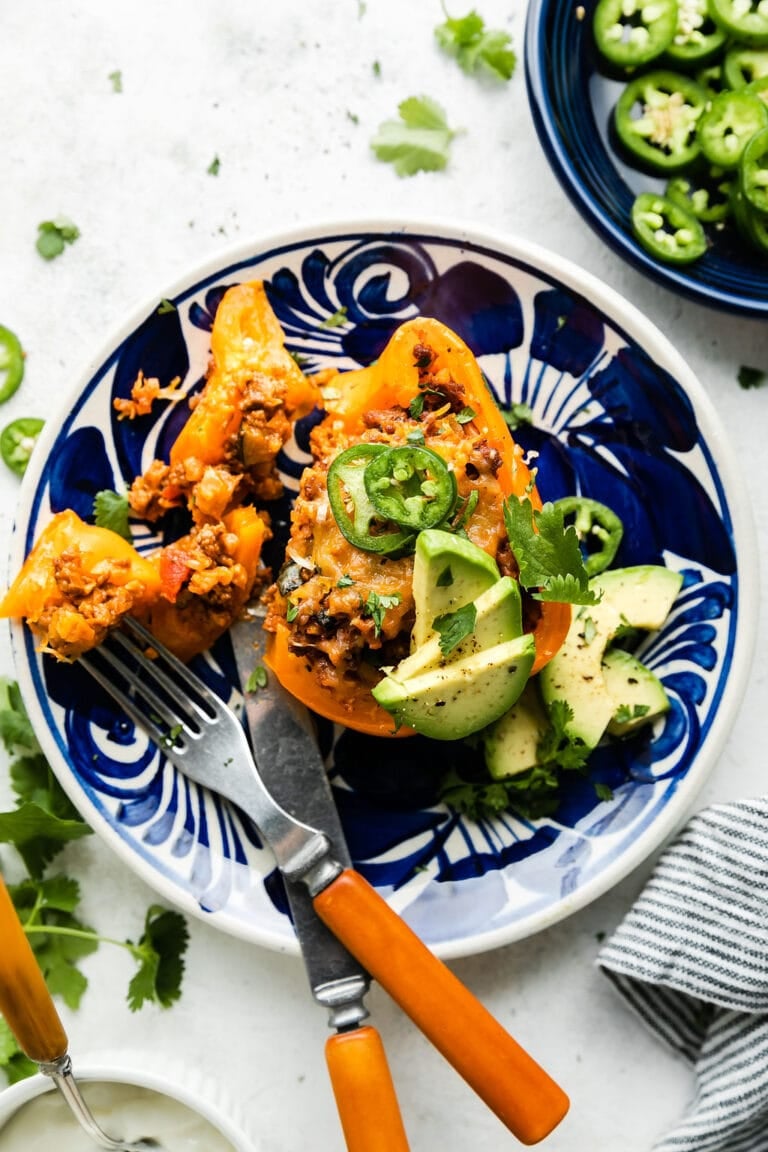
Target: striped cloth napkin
x=691, y=957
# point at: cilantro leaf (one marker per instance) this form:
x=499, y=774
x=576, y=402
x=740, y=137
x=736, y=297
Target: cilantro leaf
x=419, y=141
x=110, y=510
x=376, y=605
x=160, y=953
x=454, y=627
x=54, y=235
x=257, y=679
x=38, y=835
x=59, y=940
x=751, y=377
x=517, y=414
x=116, y=78
x=13, y=1062
x=547, y=553
x=477, y=48
x=336, y=319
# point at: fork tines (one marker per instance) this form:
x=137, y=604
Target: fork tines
x=153, y=687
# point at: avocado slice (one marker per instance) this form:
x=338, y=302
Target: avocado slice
x=511, y=742
x=449, y=571
x=637, y=597
x=462, y=696
x=638, y=694
x=499, y=617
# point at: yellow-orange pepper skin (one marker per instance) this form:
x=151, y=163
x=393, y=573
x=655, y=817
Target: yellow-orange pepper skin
x=35, y=587
x=189, y=625
x=246, y=339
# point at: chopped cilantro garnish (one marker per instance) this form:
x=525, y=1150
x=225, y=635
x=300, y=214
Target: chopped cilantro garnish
x=548, y=556
x=475, y=47
x=214, y=166
x=416, y=406
x=465, y=416
x=54, y=235
x=344, y=581
x=338, y=318
x=110, y=510
x=116, y=79
x=454, y=627
x=518, y=414
x=376, y=605
x=626, y=712
x=531, y=794
x=291, y=611
x=751, y=377
x=419, y=141
x=257, y=679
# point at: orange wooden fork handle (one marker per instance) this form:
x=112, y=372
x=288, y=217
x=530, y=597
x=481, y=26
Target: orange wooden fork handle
x=25, y=1001
x=365, y=1095
x=501, y=1072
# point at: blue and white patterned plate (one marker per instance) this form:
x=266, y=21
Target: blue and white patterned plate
x=617, y=416
x=572, y=101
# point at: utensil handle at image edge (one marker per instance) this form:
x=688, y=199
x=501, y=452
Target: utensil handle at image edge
x=364, y=1092
x=511, y=1083
x=25, y=1001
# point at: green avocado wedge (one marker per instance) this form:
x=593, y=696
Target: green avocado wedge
x=449, y=571
x=498, y=617
x=638, y=597
x=462, y=696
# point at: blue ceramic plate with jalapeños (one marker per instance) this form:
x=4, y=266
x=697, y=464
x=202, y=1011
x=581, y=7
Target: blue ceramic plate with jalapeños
x=602, y=404
x=573, y=93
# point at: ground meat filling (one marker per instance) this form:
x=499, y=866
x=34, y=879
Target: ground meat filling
x=327, y=588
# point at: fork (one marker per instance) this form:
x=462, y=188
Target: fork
x=206, y=741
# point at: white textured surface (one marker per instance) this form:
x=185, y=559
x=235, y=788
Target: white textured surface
x=285, y=95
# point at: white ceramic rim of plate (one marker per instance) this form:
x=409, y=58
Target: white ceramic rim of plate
x=631, y=321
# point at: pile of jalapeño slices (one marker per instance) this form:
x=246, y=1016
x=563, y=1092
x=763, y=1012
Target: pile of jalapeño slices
x=694, y=112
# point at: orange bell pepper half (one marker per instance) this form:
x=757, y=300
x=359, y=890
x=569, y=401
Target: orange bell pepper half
x=246, y=340
x=393, y=381
x=100, y=557
x=191, y=626
x=35, y=588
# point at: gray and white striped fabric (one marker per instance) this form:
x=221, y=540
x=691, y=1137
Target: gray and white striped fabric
x=691, y=957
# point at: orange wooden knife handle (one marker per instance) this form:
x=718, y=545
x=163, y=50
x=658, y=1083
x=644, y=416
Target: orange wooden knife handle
x=364, y=1091
x=24, y=997
x=502, y=1073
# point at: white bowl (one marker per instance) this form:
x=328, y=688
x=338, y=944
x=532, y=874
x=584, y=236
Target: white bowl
x=209, y=1121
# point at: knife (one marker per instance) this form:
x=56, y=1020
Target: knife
x=523, y=1096
x=289, y=761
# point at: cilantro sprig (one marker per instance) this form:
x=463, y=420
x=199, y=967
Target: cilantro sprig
x=531, y=794
x=547, y=553
x=419, y=141
x=477, y=49
x=43, y=822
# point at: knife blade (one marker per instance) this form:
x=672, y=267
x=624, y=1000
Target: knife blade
x=289, y=761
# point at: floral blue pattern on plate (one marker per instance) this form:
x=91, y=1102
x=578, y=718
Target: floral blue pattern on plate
x=617, y=415
x=571, y=101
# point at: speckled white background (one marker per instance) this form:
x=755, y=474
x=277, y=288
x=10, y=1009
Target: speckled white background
x=285, y=95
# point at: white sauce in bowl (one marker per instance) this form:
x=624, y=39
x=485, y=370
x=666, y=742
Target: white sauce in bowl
x=124, y=1111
